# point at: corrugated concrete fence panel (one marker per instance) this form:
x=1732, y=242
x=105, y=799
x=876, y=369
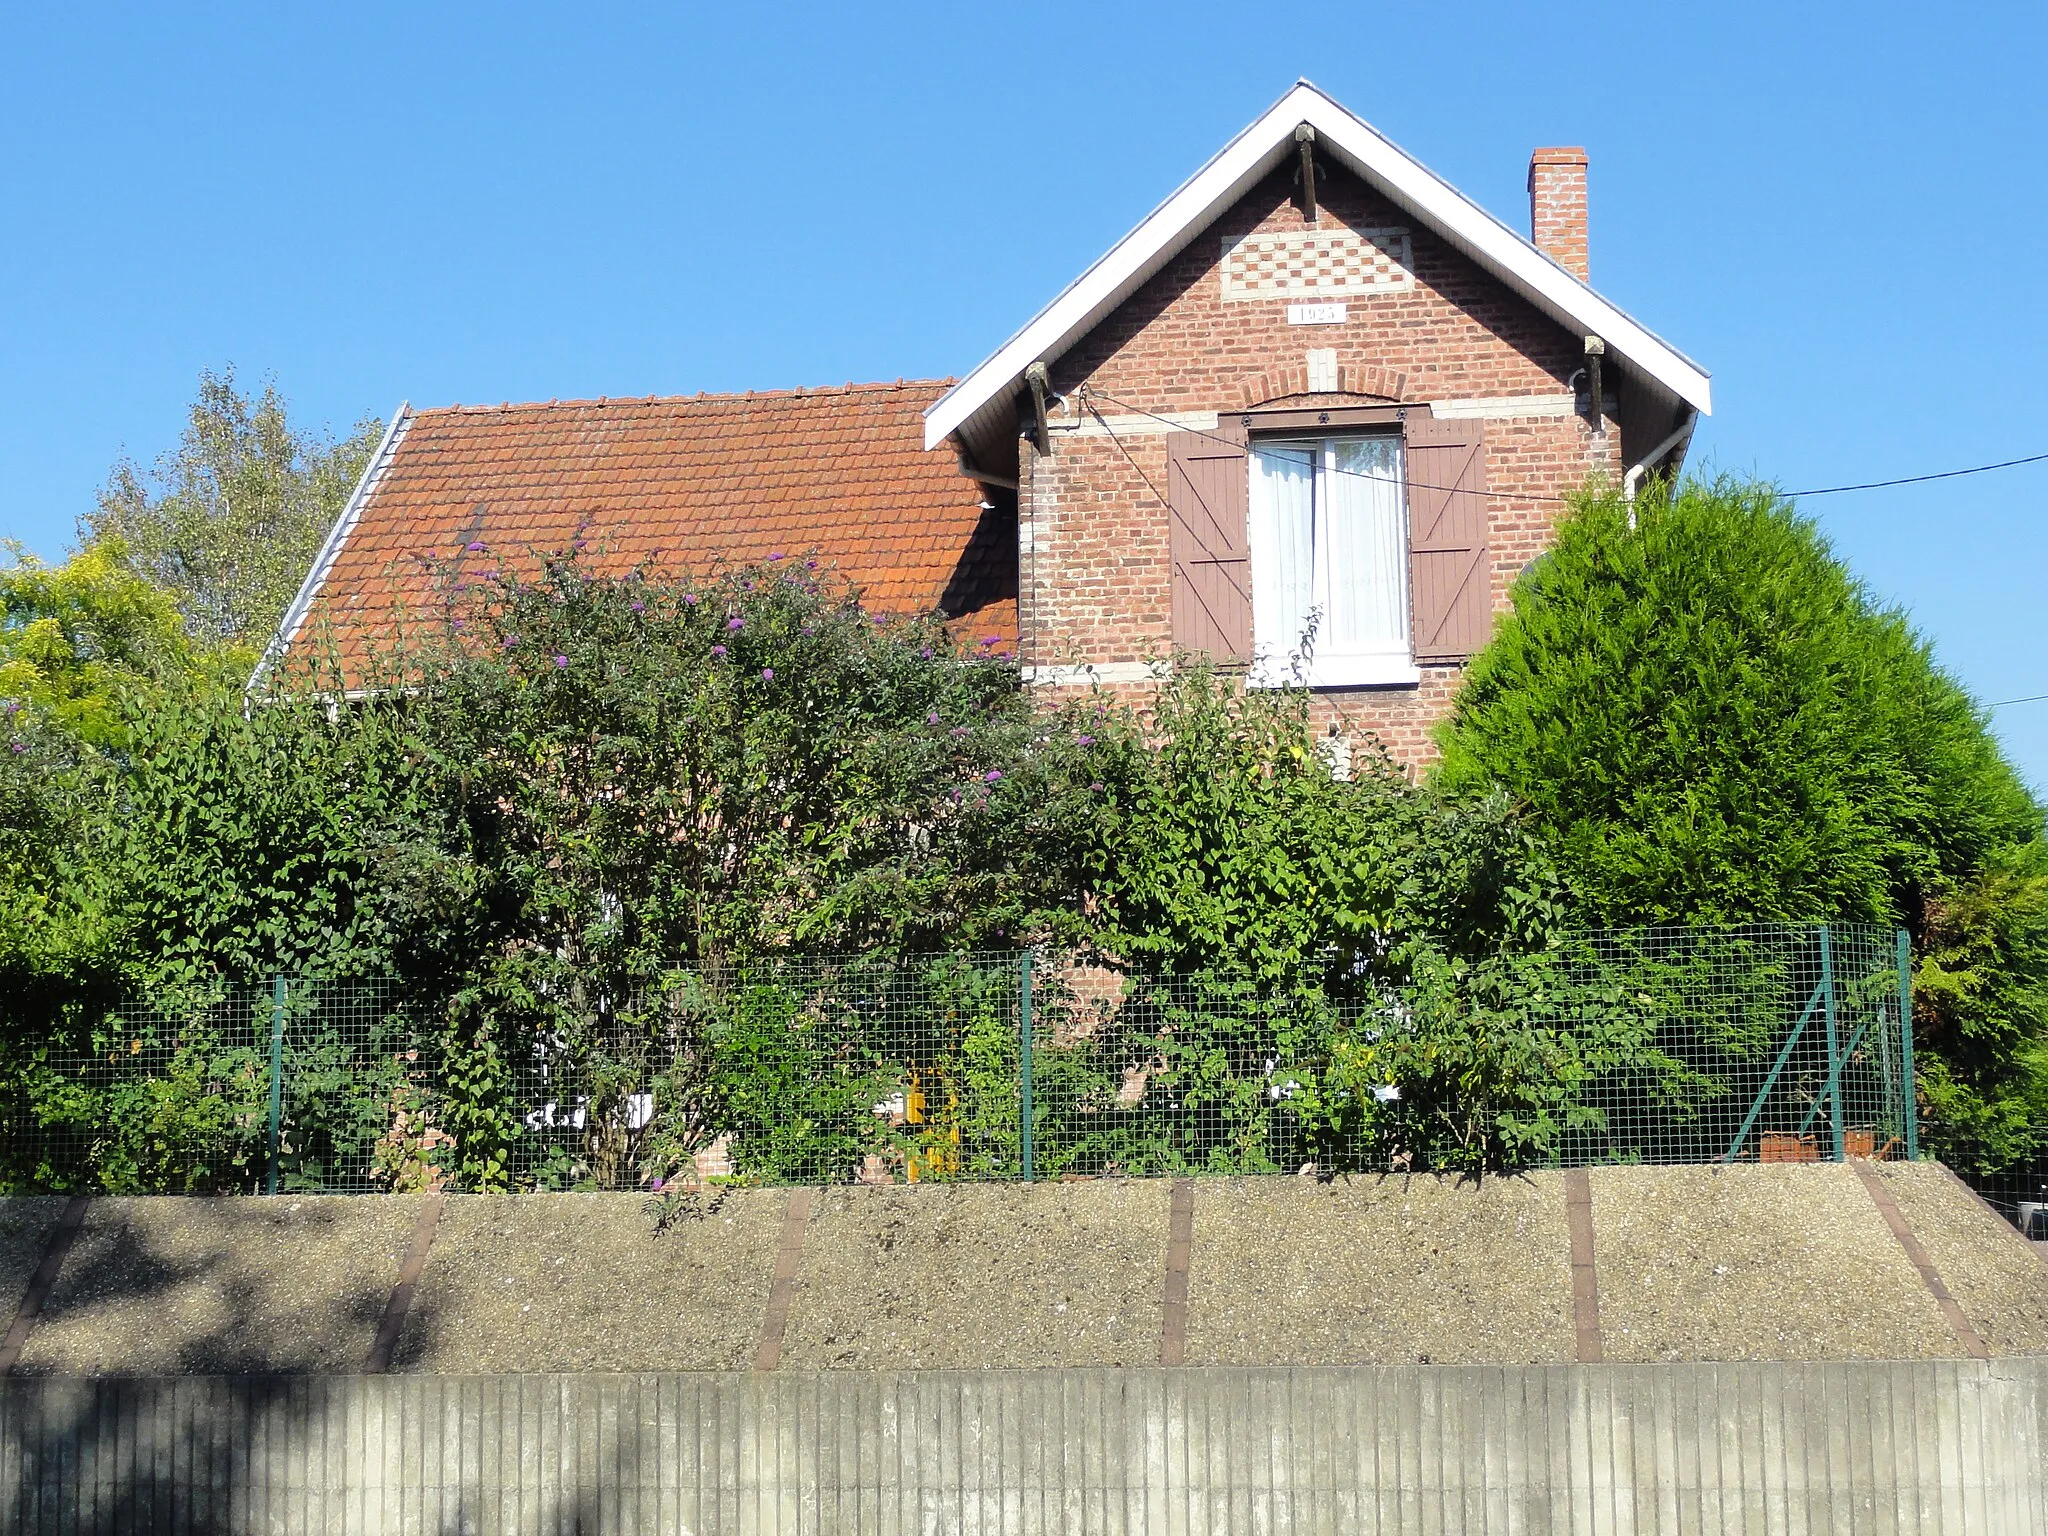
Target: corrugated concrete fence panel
x=1925, y=1447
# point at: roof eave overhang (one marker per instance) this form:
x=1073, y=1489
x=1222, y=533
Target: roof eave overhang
x=330, y=549
x=1238, y=167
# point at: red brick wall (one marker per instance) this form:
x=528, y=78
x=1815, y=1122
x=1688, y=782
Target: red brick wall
x=1557, y=207
x=1094, y=568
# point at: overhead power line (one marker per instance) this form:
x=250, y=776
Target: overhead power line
x=2032, y=698
x=1946, y=474
x=1825, y=490
x=1231, y=442
x=1158, y=495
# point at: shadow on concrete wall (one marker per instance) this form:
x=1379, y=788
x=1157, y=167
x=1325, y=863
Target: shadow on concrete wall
x=174, y=1386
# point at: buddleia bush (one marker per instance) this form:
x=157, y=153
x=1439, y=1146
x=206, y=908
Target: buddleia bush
x=642, y=779
x=1708, y=719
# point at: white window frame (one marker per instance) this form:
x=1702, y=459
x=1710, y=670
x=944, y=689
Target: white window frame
x=1326, y=666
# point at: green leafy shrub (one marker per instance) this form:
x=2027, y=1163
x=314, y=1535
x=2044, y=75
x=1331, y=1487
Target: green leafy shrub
x=256, y=842
x=645, y=773
x=875, y=1066
x=639, y=779
x=596, y=809
x=1230, y=844
x=178, y=1114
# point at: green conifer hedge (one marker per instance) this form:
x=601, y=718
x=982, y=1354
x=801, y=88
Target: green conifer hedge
x=1709, y=719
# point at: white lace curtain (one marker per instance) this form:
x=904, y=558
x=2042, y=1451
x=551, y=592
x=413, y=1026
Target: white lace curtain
x=1329, y=542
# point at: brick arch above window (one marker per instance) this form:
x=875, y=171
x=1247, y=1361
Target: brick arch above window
x=1369, y=380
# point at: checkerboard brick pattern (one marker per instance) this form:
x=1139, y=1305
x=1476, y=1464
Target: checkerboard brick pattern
x=1324, y=262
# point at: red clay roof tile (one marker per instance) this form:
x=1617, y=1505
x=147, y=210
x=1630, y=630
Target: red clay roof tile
x=695, y=481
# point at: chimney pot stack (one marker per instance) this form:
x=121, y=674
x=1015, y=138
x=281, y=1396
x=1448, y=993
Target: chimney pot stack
x=1557, y=207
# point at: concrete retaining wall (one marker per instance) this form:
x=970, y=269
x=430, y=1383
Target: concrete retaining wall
x=1773, y=1262
x=1925, y=1446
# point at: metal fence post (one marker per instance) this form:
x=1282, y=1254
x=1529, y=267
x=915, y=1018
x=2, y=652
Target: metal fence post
x=276, y=1078
x=1827, y=988
x=1907, y=1086
x=1024, y=1054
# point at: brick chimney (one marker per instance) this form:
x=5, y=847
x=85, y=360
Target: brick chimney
x=1557, y=207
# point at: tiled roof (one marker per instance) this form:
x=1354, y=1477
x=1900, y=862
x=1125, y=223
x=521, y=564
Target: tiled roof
x=684, y=482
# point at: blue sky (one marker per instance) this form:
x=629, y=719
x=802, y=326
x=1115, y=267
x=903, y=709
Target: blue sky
x=1840, y=210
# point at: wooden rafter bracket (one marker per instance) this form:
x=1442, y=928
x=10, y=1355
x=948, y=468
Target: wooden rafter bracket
x=1305, y=140
x=1039, y=382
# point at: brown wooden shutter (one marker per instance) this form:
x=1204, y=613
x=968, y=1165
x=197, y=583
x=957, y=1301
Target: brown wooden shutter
x=1208, y=488
x=1450, y=579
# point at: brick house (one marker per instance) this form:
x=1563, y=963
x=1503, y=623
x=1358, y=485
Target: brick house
x=1310, y=417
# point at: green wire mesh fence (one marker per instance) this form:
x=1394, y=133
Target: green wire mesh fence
x=1663, y=1045
x=2011, y=1177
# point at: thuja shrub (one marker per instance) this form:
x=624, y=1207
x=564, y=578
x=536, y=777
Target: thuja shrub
x=1708, y=719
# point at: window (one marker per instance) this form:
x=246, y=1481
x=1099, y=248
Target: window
x=1328, y=536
